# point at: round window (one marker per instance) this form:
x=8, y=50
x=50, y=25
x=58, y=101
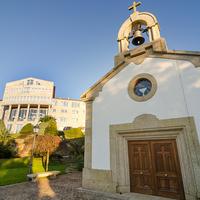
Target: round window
x=142, y=87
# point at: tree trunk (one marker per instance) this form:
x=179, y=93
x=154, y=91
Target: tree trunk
x=47, y=162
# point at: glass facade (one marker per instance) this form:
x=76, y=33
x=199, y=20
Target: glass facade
x=22, y=114
x=43, y=112
x=13, y=114
x=32, y=115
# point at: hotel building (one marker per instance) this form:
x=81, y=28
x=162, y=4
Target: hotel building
x=27, y=100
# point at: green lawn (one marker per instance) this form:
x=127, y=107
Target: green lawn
x=15, y=175
x=15, y=170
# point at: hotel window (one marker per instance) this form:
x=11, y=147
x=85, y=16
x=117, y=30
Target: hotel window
x=13, y=114
x=65, y=103
x=55, y=103
x=63, y=119
x=74, y=120
x=18, y=127
x=43, y=112
x=74, y=111
x=75, y=105
x=9, y=127
x=30, y=82
x=22, y=114
x=32, y=114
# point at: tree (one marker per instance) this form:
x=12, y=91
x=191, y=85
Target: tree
x=2, y=125
x=27, y=129
x=47, y=118
x=48, y=125
x=73, y=133
x=4, y=133
x=6, y=149
x=45, y=146
x=43, y=126
x=51, y=128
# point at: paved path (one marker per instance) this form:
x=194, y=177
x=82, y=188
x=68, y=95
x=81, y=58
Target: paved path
x=61, y=188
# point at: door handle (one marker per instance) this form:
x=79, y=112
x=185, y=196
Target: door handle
x=166, y=175
x=141, y=173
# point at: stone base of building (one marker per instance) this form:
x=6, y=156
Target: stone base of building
x=100, y=180
x=85, y=194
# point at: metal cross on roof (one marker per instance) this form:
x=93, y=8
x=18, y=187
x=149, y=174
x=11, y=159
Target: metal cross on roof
x=134, y=6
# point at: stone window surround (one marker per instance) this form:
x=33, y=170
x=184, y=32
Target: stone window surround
x=148, y=127
x=134, y=81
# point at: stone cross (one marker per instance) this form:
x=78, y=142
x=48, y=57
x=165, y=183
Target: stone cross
x=134, y=6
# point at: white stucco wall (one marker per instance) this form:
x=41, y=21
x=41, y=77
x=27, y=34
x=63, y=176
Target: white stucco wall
x=177, y=96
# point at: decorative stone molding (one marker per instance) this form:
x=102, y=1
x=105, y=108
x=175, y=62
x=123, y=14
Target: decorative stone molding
x=134, y=81
x=88, y=136
x=156, y=49
x=148, y=127
x=144, y=18
x=193, y=57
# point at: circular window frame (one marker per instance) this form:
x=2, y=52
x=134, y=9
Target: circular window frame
x=134, y=81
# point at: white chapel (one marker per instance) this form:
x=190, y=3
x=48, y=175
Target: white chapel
x=143, y=117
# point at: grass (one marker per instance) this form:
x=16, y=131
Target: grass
x=15, y=170
x=11, y=176
x=14, y=163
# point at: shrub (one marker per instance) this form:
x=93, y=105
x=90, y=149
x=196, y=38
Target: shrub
x=48, y=126
x=51, y=129
x=27, y=129
x=79, y=163
x=43, y=126
x=76, y=147
x=4, y=136
x=47, y=118
x=2, y=126
x=73, y=133
x=5, y=151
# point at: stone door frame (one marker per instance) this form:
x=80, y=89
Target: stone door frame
x=148, y=127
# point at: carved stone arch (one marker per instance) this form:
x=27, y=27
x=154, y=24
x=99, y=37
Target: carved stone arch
x=144, y=18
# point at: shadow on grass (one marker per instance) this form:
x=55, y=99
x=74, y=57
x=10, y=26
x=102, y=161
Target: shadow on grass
x=13, y=170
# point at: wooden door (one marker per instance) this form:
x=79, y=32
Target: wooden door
x=141, y=167
x=167, y=170
x=154, y=168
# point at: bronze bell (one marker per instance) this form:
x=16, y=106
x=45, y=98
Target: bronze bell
x=138, y=38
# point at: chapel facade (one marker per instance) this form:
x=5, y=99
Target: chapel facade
x=143, y=117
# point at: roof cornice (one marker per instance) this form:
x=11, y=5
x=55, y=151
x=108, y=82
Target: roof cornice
x=155, y=49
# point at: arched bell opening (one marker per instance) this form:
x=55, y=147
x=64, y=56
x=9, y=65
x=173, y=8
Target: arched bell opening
x=138, y=28
x=139, y=34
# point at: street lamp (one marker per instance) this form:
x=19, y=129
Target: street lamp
x=36, y=128
x=35, y=132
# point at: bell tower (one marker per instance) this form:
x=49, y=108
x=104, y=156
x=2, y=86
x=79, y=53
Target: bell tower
x=134, y=28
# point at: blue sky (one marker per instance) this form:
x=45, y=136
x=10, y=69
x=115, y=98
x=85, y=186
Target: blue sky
x=73, y=43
